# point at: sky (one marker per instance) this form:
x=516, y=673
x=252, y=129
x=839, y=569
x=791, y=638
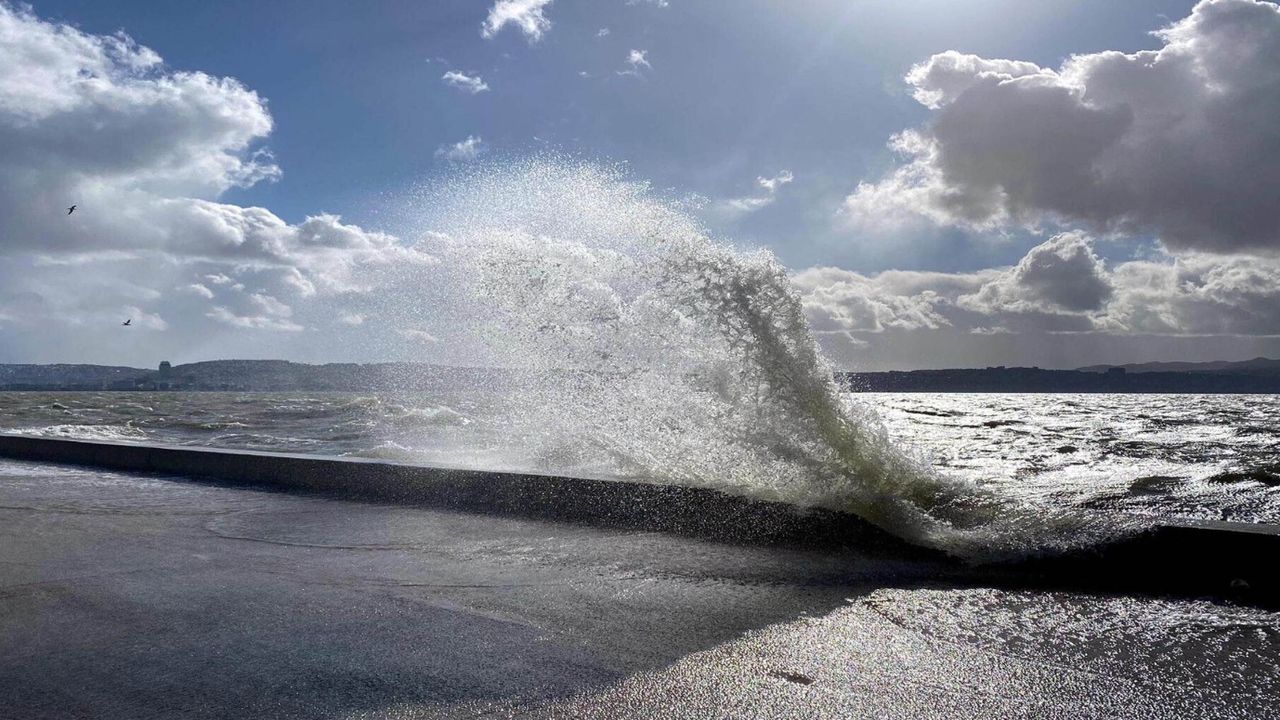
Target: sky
x=950, y=183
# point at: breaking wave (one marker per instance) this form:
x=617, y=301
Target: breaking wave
x=121, y=433
x=680, y=359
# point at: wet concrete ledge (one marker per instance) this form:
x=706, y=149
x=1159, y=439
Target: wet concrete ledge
x=696, y=512
x=1187, y=558
x=1222, y=560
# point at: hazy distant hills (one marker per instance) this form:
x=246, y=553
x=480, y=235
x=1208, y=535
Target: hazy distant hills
x=42, y=375
x=1256, y=366
x=1260, y=375
x=243, y=375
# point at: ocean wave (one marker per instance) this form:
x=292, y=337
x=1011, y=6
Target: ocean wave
x=433, y=415
x=126, y=433
x=692, y=363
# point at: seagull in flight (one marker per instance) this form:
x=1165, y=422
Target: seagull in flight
x=128, y=322
x=72, y=209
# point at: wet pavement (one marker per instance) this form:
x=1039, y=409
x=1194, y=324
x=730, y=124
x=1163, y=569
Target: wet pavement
x=136, y=596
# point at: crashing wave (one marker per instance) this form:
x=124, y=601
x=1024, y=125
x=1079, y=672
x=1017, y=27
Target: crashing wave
x=683, y=360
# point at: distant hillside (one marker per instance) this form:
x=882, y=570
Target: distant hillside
x=1106, y=380
x=245, y=375
x=1253, y=376
x=49, y=375
x=1256, y=366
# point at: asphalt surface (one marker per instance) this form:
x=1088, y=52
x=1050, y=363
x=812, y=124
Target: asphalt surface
x=135, y=596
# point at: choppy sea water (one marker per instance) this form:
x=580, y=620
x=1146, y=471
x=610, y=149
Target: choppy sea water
x=1165, y=456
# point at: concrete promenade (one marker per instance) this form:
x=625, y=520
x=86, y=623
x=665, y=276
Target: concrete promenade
x=127, y=595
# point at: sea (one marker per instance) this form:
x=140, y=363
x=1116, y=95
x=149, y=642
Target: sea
x=1161, y=456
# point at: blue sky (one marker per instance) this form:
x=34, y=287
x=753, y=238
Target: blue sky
x=1066, y=186
x=737, y=90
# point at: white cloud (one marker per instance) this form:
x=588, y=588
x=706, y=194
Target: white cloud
x=772, y=184
x=602, y=32
x=842, y=301
x=527, y=15
x=103, y=106
x=769, y=187
x=198, y=290
x=351, y=319
x=269, y=305
x=142, y=318
x=1174, y=142
x=638, y=59
x=257, y=311
x=464, y=150
x=1058, y=286
x=85, y=257
x=253, y=322
x=294, y=279
x=749, y=204
x=145, y=152
x=418, y=335
x=466, y=83
x=655, y=3
x=1061, y=275
x=1196, y=294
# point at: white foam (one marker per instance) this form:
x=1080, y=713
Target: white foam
x=683, y=360
x=88, y=432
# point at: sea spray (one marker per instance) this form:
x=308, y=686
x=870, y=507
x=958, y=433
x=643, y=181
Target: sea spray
x=650, y=347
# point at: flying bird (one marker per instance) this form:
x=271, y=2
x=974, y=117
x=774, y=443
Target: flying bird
x=71, y=209
x=128, y=322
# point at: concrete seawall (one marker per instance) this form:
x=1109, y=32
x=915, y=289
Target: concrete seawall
x=689, y=511
x=1192, y=558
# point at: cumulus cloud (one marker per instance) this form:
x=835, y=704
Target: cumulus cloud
x=1179, y=142
x=1063, y=274
x=1059, y=286
x=1197, y=295
x=145, y=152
x=463, y=150
x=842, y=301
x=464, y=82
x=75, y=105
x=527, y=15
